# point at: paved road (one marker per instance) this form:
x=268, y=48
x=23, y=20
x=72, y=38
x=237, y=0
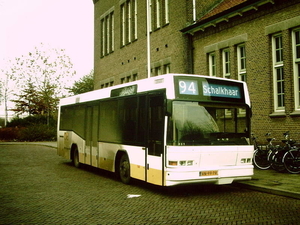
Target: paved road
x=39, y=187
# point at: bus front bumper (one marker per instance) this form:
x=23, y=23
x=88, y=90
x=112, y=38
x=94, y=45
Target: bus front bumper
x=221, y=175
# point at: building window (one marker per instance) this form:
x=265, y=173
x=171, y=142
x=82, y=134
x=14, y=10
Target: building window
x=226, y=63
x=296, y=62
x=150, y=15
x=241, y=57
x=129, y=78
x=160, y=13
x=165, y=11
x=212, y=64
x=107, y=33
x=278, y=76
x=157, y=12
x=134, y=77
x=167, y=68
x=157, y=71
x=103, y=37
x=134, y=26
x=123, y=25
x=128, y=21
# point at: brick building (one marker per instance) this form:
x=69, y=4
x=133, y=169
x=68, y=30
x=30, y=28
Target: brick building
x=121, y=40
x=257, y=41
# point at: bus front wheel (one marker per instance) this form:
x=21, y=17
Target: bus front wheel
x=124, y=169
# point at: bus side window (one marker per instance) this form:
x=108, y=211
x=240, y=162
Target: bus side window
x=156, y=125
x=128, y=119
x=142, y=121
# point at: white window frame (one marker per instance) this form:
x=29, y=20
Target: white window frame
x=123, y=24
x=158, y=12
x=150, y=15
x=167, y=68
x=112, y=20
x=226, y=62
x=129, y=21
x=296, y=67
x=135, y=15
x=278, y=76
x=103, y=37
x=167, y=19
x=212, y=64
x=107, y=21
x=241, y=61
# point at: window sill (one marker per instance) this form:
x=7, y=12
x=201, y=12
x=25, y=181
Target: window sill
x=295, y=113
x=277, y=114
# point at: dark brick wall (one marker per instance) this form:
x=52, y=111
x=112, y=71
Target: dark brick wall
x=169, y=45
x=259, y=63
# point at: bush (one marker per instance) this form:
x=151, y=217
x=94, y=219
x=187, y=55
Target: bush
x=31, y=120
x=2, y=122
x=37, y=132
x=9, y=133
x=31, y=128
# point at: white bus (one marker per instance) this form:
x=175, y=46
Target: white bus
x=165, y=130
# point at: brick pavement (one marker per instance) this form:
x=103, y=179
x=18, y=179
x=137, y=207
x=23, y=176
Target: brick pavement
x=39, y=187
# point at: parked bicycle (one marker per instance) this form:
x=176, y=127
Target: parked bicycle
x=261, y=153
x=291, y=160
x=276, y=158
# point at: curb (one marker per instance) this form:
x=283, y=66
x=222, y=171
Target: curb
x=273, y=191
x=31, y=143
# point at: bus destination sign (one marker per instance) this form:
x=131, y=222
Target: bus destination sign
x=204, y=88
x=188, y=87
x=219, y=90
x=124, y=91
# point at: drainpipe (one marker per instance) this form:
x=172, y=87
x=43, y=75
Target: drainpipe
x=148, y=40
x=190, y=53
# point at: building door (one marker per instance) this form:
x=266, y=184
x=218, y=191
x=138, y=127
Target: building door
x=91, y=130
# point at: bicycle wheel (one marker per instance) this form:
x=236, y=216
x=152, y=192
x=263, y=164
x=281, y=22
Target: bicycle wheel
x=277, y=161
x=260, y=159
x=291, y=161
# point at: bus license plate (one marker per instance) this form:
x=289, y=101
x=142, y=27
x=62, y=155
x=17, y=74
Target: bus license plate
x=209, y=173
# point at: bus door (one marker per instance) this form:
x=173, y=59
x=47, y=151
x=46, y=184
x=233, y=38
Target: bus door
x=154, y=153
x=91, y=149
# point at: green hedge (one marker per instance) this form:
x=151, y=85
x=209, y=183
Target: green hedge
x=37, y=132
x=32, y=128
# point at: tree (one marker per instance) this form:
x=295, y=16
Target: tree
x=45, y=67
x=85, y=84
x=33, y=102
x=8, y=86
x=41, y=77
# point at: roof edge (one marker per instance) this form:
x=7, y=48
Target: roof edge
x=225, y=15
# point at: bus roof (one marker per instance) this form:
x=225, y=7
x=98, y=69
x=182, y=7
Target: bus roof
x=149, y=84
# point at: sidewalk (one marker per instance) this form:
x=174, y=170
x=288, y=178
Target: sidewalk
x=273, y=182
x=269, y=181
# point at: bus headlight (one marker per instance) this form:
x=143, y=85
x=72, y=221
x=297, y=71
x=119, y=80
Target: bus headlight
x=246, y=160
x=181, y=163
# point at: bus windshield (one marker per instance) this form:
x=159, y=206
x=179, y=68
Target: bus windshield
x=194, y=123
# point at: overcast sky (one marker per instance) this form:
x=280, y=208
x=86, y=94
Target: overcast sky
x=62, y=24
x=66, y=24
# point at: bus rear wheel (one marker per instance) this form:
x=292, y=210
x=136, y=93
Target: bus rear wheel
x=75, y=158
x=124, y=169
